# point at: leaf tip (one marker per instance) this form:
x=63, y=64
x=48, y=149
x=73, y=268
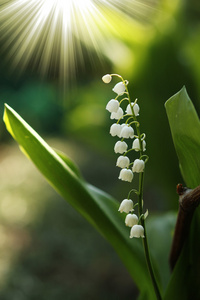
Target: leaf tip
x=4, y=113
x=6, y=119
x=183, y=91
x=6, y=107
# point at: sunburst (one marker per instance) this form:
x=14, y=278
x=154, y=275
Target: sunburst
x=49, y=34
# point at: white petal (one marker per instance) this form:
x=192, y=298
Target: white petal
x=126, y=175
x=136, y=109
x=115, y=129
x=128, y=108
x=138, y=165
x=127, y=132
x=144, y=145
x=120, y=147
x=131, y=220
x=126, y=206
x=136, y=145
x=137, y=231
x=112, y=106
x=119, y=88
x=123, y=161
x=117, y=115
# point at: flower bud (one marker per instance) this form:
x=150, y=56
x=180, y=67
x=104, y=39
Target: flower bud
x=123, y=162
x=127, y=132
x=126, y=206
x=112, y=106
x=138, y=166
x=107, y=78
x=137, y=231
x=120, y=147
x=146, y=214
x=119, y=88
x=115, y=129
x=117, y=115
x=126, y=175
x=131, y=220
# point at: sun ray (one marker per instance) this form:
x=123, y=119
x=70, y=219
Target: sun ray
x=50, y=34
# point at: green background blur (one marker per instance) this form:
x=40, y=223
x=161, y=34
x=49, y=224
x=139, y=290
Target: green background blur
x=47, y=251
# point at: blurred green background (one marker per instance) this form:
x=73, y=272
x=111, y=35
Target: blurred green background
x=47, y=250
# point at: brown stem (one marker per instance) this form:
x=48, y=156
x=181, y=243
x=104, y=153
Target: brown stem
x=188, y=202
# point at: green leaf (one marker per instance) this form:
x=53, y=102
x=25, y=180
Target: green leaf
x=69, y=163
x=95, y=205
x=185, y=128
x=160, y=228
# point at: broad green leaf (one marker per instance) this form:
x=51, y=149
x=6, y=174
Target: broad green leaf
x=160, y=228
x=185, y=128
x=69, y=163
x=96, y=206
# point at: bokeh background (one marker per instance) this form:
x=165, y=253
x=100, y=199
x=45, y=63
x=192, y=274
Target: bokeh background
x=47, y=250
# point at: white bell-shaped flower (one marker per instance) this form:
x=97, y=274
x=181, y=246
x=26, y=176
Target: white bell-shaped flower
x=112, y=106
x=128, y=109
x=127, y=132
x=126, y=175
x=107, y=78
x=143, y=145
x=135, y=109
x=137, y=231
x=136, y=145
x=126, y=206
x=138, y=166
x=117, y=115
x=119, y=88
x=120, y=147
x=122, y=126
x=115, y=129
x=123, y=162
x=131, y=220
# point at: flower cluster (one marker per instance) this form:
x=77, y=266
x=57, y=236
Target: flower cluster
x=126, y=128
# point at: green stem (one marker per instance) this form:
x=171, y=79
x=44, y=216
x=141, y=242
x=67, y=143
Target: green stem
x=145, y=241
x=140, y=206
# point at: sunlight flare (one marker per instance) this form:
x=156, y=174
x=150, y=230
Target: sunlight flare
x=52, y=35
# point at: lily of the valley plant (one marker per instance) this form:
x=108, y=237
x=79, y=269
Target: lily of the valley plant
x=126, y=128
x=101, y=210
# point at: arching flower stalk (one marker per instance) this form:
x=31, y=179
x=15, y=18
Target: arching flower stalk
x=126, y=127
x=130, y=141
